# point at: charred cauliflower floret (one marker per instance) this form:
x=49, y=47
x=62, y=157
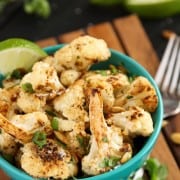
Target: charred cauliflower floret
x=140, y=93
x=100, y=82
x=8, y=145
x=71, y=106
x=71, y=103
x=30, y=102
x=5, y=101
x=119, y=81
x=66, y=118
x=22, y=127
x=68, y=77
x=38, y=86
x=81, y=53
x=107, y=148
x=8, y=105
x=49, y=161
x=135, y=121
x=44, y=80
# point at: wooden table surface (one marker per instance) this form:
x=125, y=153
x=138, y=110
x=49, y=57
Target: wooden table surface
x=127, y=35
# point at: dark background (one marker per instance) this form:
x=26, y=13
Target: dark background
x=69, y=15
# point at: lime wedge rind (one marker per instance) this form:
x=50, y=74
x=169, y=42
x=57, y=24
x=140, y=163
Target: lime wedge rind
x=18, y=53
x=19, y=42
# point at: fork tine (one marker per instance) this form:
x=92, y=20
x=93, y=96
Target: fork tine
x=170, y=68
x=178, y=88
x=174, y=90
x=164, y=62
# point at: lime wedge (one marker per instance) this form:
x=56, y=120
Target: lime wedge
x=18, y=53
x=153, y=8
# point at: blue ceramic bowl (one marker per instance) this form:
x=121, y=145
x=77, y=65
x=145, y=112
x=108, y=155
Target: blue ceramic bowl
x=138, y=159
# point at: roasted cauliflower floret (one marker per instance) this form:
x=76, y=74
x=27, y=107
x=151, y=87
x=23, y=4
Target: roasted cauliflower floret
x=135, y=121
x=8, y=105
x=5, y=101
x=71, y=106
x=49, y=161
x=71, y=103
x=107, y=146
x=30, y=102
x=22, y=127
x=119, y=81
x=100, y=82
x=68, y=77
x=81, y=53
x=65, y=118
x=44, y=80
x=140, y=93
x=8, y=145
x=75, y=140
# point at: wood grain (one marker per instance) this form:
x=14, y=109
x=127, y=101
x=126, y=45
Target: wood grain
x=67, y=37
x=47, y=42
x=136, y=42
x=163, y=154
x=105, y=31
x=3, y=176
x=146, y=56
x=173, y=126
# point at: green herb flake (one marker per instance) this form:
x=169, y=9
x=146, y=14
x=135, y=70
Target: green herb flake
x=18, y=73
x=109, y=162
x=39, y=138
x=113, y=69
x=50, y=113
x=55, y=123
x=155, y=169
x=131, y=78
x=62, y=144
x=113, y=161
x=80, y=139
x=0, y=130
x=8, y=157
x=105, y=139
x=104, y=163
x=102, y=72
x=129, y=97
x=27, y=87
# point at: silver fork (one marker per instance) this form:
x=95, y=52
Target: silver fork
x=168, y=77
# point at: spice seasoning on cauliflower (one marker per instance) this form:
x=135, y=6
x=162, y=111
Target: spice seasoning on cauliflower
x=69, y=120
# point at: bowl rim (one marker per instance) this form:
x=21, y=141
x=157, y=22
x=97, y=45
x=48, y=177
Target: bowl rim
x=147, y=147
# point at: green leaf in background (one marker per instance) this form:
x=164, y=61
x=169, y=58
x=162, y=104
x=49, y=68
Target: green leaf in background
x=39, y=7
x=155, y=169
x=3, y=4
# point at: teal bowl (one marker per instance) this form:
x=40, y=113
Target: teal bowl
x=124, y=171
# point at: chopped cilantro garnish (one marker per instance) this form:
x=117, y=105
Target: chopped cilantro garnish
x=109, y=162
x=129, y=97
x=105, y=139
x=102, y=72
x=155, y=169
x=55, y=123
x=113, y=69
x=131, y=78
x=50, y=113
x=27, y=87
x=18, y=73
x=39, y=138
